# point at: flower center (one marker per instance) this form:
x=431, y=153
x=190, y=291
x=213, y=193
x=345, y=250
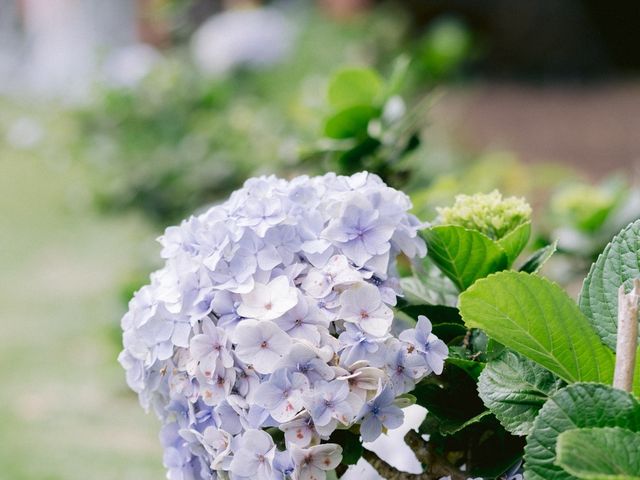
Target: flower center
x=364, y=314
x=264, y=344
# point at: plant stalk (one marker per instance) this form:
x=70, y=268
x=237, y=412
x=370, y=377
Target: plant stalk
x=627, y=340
x=435, y=466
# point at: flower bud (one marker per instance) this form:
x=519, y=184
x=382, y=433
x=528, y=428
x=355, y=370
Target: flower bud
x=488, y=213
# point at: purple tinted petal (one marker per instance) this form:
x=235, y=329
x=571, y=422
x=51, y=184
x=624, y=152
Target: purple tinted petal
x=391, y=417
x=370, y=428
x=269, y=395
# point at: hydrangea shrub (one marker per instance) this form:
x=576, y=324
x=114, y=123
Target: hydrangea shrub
x=270, y=327
x=269, y=348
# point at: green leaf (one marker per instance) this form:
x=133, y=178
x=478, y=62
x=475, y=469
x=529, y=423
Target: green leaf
x=354, y=86
x=435, y=313
x=537, y=319
x=618, y=264
x=349, y=123
x=514, y=389
x=494, y=349
x=535, y=262
x=405, y=400
x=449, y=427
x=473, y=368
x=430, y=289
x=416, y=291
x=463, y=255
x=600, y=453
x=515, y=241
x=448, y=332
x=582, y=405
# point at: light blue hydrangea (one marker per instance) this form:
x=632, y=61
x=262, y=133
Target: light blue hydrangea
x=273, y=311
x=378, y=413
x=426, y=344
x=254, y=455
x=282, y=394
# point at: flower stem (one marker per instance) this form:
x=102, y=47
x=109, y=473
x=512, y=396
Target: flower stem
x=435, y=466
x=627, y=337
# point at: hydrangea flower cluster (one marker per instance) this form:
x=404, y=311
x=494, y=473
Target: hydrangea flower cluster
x=270, y=326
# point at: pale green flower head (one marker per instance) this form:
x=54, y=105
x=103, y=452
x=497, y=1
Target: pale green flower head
x=585, y=207
x=488, y=213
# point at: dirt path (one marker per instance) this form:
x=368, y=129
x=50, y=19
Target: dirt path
x=595, y=128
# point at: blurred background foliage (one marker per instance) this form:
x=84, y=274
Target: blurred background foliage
x=120, y=118
x=187, y=136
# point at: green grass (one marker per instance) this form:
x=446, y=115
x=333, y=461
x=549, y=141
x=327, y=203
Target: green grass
x=65, y=411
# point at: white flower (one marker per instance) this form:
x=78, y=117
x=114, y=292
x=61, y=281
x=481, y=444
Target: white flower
x=363, y=306
x=261, y=344
x=312, y=463
x=270, y=301
x=211, y=347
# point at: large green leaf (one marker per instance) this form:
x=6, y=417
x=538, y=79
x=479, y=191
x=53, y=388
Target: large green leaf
x=464, y=255
x=618, y=264
x=514, y=242
x=537, y=319
x=582, y=405
x=354, y=86
x=600, y=453
x=514, y=389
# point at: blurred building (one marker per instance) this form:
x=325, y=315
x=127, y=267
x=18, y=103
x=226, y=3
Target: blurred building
x=544, y=39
